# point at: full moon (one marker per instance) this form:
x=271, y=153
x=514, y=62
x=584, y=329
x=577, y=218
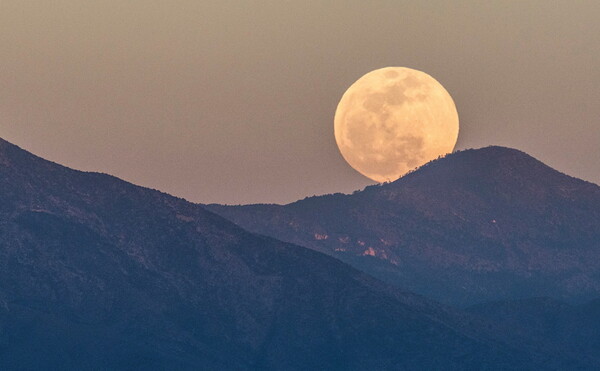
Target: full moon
x=394, y=119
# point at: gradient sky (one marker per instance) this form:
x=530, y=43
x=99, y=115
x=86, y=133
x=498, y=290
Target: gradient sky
x=233, y=101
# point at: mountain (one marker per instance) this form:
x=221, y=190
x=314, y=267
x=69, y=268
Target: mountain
x=558, y=327
x=97, y=273
x=475, y=226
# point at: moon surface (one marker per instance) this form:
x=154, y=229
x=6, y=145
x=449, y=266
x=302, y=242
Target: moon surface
x=394, y=119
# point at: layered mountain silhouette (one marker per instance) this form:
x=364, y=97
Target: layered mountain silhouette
x=475, y=226
x=97, y=273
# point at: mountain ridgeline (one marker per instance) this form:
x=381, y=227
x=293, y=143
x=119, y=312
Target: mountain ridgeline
x=475, y=226
x=97, y=273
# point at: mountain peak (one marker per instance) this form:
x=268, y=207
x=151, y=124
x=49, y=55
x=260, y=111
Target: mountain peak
x=452, y=227
x=496, y=151
x=489, y=158
x=495, y=155
x=493, y=166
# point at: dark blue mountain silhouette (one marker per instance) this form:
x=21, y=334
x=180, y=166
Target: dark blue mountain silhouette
x=97, y=273
x=475, y=226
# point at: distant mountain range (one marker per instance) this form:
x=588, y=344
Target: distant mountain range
x=475, y=226
x=96, y=273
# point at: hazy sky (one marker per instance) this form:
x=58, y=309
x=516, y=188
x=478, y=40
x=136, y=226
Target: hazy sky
x=233, y=101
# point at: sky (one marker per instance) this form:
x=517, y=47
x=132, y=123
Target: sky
x=233, y=101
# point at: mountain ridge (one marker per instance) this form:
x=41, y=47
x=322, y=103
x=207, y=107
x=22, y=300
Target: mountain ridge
x=491, y=149
x=98, y=273
x=474, y=218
